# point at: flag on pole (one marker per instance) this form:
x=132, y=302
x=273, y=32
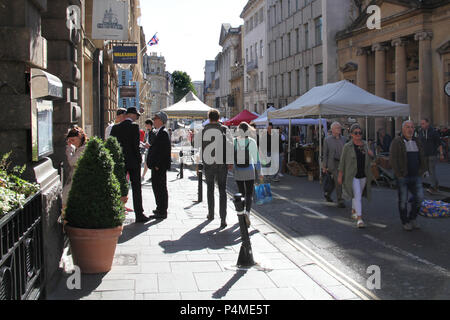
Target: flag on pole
x=153, y=41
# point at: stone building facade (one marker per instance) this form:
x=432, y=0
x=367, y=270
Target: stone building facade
x=208, y=83
x=301, y=45
x=161, y=84
x=255, y=57
x=407, y=60
x=231, y=43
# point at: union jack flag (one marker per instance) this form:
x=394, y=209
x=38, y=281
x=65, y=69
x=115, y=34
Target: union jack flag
x=153, y=41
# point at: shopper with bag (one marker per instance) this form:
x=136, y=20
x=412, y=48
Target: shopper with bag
x=246, y=167
x=355, y=174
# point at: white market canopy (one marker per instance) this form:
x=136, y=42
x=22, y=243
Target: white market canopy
x=340, y=99
x=263, y=120
x=188, y=107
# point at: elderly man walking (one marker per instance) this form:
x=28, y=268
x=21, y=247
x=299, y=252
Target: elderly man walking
x=332, y=151
x=407, y=158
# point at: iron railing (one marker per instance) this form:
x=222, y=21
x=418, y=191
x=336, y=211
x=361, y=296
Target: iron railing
x=21, y=252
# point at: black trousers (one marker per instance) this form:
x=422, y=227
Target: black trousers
x=159, y=185
x=217, y=173
x=135, y=178
x=246, y=188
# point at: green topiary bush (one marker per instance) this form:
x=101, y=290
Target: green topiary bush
x=94, y=199
x=112, y=144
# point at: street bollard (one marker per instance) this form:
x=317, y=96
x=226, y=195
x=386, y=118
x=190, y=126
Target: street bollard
x=245, y=258
x=200, y=182
x=180, y=175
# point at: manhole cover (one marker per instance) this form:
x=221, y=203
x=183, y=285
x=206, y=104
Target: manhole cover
x=125, y=260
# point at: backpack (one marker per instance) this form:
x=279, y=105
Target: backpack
x=238, y=150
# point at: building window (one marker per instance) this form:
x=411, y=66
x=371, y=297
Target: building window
x=290, y=85
x=297, y=37
x=289, y=44
x=296, y=5
x=282, y=49
x=261, y=80
x=319, y=74
x=289, y=7
x=299, y=83
x=261, y=15
x=261, y=49
x=251, y=53
x=318, y=25
x=306, y=36
x=282, y=85
x=255, y=19
x=246, y=55
x=281, y=10
x=307, y=78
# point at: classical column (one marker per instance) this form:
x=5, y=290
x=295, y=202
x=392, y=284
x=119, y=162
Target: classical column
x=361, y=76
x=380, y=78
x=425, y=75
x=401, y=84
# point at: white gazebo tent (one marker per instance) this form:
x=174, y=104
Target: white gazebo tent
x=340, y=99
x=190, y=107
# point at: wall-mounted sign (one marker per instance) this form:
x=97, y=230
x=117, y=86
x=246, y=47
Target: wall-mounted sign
x=125, y=76
x=110, y=20
x=127, y=92
x=125, y=54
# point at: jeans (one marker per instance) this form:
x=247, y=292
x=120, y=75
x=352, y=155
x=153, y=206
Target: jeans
x=358, y=188
x=414, y=186
x=217, y=172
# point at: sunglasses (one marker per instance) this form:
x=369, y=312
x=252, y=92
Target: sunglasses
x=357, y=133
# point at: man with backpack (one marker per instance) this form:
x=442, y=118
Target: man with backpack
x=214, y=157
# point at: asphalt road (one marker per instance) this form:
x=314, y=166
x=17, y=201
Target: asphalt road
x=413, y=265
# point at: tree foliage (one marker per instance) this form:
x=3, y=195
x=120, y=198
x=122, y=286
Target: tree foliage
x=182, y=84
x=94, y=199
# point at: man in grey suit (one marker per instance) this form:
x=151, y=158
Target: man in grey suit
x=332, y=149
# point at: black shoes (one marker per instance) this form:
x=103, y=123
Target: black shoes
x=209, y=217
x=159, y=215
x=341, y=204
x=328, y=198
x=223, y=225
x=142, y=219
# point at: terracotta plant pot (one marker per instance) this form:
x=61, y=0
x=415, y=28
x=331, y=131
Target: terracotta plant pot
x=93, y=249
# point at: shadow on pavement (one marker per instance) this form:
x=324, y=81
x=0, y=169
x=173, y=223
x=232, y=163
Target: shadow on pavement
x=89, y=283
x=214, y=239
x=222, y=292
x=133, y=230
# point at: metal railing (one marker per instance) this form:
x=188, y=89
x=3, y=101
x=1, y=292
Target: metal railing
x=21, y=252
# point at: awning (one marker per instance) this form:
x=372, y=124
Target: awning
x=45, y=85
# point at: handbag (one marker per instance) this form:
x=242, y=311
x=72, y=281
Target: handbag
x=328, y=183
x=268, y=193
x=260, y=193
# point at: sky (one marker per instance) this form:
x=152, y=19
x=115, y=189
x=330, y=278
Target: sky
x=188, y=30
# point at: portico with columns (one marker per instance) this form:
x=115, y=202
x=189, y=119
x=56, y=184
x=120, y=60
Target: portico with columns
x=401, y=61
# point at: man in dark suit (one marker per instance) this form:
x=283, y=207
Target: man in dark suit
x=127, y=133
x=158, y=160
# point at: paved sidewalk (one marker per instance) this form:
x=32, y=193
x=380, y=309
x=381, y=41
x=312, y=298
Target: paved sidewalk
x=186, y=257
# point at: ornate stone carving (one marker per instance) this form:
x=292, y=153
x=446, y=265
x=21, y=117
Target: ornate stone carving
x=379, y=47
x=423, y=35
x=361, y=51
x=399, y=42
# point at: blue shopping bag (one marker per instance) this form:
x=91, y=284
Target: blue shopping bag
x=267, y=192
x=260, y=194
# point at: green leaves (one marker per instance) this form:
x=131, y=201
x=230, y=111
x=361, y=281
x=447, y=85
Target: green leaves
x=94, y=199
x=182, y=84
x=119, y=168
x=13, y=189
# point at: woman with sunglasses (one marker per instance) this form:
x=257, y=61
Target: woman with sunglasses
x=355, y=174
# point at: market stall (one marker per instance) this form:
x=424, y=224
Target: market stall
x=245, y=115
x=338, y=100
x=190, y=107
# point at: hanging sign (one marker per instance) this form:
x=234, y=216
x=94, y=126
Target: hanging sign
x=125, y=54
x=110, y=20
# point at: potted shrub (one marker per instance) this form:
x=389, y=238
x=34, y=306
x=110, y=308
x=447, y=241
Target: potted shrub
x=112, y=144
x=94, y=212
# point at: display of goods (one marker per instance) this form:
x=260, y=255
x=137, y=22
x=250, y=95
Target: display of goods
x=435, y=209
x=296, y=169
x=384, y=162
